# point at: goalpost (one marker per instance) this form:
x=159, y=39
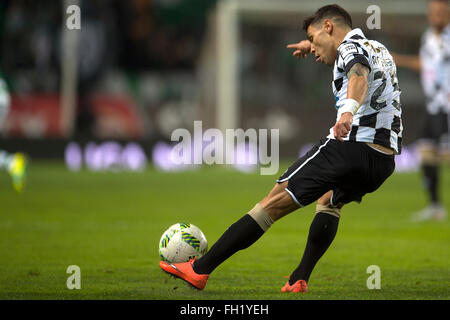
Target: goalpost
x=231, y=13
x=69, y=49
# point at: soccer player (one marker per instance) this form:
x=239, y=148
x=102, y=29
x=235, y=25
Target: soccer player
x=433, y=63
x=14, y=163
x=355, y=159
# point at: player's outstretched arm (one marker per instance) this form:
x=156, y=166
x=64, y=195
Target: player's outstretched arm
x=356, y=94
x=407, y=61
x=301, y=49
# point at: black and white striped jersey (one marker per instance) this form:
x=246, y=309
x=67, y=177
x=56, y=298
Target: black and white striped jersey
x=435, y=73
x=378, y=120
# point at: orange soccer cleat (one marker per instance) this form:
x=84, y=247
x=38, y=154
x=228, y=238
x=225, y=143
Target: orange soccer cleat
x=299, y=286
x=186, y=272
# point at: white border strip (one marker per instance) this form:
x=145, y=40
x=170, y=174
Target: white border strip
x=293, y=197
x=331, y=199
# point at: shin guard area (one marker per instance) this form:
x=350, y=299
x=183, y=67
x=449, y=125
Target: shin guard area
x=336, y=212
x=261, y=217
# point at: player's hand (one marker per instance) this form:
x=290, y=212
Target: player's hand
x=342, y=128
x=301, y=49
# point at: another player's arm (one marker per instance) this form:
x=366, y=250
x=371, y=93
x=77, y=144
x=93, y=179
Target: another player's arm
x=407, y=61
x=356, y=94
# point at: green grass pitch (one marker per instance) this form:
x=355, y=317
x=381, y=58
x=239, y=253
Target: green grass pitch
x=109, y=225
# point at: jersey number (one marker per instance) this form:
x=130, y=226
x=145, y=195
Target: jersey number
x=378, y=91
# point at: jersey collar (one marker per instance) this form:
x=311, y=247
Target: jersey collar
x=356, y=33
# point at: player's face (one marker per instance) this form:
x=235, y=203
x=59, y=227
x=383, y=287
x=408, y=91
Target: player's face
x=438, y=15
x=321, y=44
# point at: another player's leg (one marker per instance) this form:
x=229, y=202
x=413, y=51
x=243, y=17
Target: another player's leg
x=5, y=159
x=321, y=234
x=240, y=235
x=430, y=165
x=16, y=165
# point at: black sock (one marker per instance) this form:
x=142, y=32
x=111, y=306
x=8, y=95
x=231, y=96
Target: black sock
x=321, y=234
x=240, y=235
x=430, y=173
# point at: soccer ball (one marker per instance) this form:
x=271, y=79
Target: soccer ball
x=182, y=242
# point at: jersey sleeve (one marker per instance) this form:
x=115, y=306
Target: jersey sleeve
x=351, y=53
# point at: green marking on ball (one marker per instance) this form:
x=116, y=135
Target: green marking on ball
x=184, y=225
x=162, y=256
x=191, y=240
x=165, y=241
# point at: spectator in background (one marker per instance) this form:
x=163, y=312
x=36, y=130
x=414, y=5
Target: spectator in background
x=161, y=35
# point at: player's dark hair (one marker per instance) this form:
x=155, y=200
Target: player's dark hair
x=328, y=12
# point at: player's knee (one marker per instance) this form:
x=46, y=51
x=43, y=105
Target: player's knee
x=278, y=203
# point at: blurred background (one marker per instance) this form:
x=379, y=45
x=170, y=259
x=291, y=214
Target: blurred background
x=138, y=69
